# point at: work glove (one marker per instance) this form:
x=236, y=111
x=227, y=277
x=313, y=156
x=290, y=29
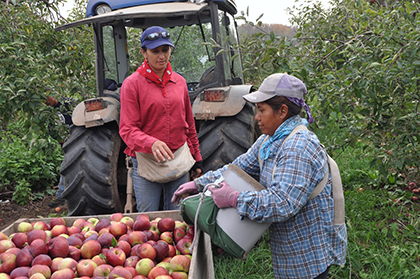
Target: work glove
x=224, y=196
x=184, y=190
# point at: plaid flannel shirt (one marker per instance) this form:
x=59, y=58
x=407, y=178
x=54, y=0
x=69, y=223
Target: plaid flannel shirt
x=304, y=241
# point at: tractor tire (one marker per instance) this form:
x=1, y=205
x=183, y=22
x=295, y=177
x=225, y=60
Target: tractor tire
x=89, y=170
x=222, y=140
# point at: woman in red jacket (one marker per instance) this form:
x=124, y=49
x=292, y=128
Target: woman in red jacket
x=157, y=119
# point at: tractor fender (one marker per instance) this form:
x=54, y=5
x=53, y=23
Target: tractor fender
x=232, y=105
x=110, y=112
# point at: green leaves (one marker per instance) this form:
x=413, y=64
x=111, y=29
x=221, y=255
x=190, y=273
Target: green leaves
x=358, y=59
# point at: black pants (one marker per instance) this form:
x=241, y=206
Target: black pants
x=324, y=274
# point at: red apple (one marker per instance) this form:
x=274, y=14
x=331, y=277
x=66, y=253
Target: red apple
x=120, y=271
x=131, y=261
x=166, y=224
x=132, y=270
x=65, y=273
x=34, y=276
x=125, y=246
x=42, y=259
x=13, y=250
x=128, y=221
x=57, y=221
x=167, y=237
x=37, y=234
x=102, y=223
x=178, y=234
x=184, y=246
x=157, y=271
x=24, y=257
x=79, y=222
x=124, y=237
x=141, y=224
x=115, y=256
x=137, y=277
x=154, y=227
x=73, y=230
x=103, y=270
x=75, y=241
x=116, y=217
x=171, y=250
x=133, y=251
x=86, y=267
x=40, y=225
x=67, y=263
x=164, y=277
x=20, y=239
x=136, y=237
x=102, y=231
x=180, y=263
x=3, y=236
x=38, y=247
x=90, y=249
x=181, y=225
x=107, y=240
x=191, y=230
x=118, y=229
x=74, y=253
x=21, y=271
x=24, y=227
x=54, y=264
x=146, y=250
x=99, y=259
x=179, y=275
x=43, y=269
x=144, y=266
x=59, y=229
x=162, y=249
x=58, y=247
x=5, y=245
x=7, y=262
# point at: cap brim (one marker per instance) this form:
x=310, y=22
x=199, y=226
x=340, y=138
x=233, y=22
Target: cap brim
x=158, y=43
x=257, y=97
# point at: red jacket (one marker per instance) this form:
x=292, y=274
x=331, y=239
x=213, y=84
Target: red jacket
x=146, y=115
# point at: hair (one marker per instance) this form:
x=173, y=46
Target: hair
x=277, y=101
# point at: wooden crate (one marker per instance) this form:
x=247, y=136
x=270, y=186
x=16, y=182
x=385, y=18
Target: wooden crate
x=202, y=257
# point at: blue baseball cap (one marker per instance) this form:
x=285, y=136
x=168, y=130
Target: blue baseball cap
x=155, y=36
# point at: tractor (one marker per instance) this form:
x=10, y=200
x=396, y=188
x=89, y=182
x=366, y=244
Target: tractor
x=95, y=170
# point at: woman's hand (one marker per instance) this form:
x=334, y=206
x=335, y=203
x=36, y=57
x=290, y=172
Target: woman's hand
x=224, y=196
x=161, y=151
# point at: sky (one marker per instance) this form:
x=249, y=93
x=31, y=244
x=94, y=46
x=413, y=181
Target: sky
x=274, y=10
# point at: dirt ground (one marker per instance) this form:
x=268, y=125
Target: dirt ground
x=11, y=211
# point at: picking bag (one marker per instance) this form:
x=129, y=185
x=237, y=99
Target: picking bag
x=235, y=235
x=168, y=170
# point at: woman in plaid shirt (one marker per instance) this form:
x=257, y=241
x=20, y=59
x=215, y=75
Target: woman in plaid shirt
x=304, y=240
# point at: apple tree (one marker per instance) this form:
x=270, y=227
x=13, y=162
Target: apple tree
x=360, y=61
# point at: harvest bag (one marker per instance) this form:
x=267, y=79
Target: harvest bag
x=227, y=230
x=166, y=171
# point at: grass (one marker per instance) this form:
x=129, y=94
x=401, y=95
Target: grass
x=382, y=225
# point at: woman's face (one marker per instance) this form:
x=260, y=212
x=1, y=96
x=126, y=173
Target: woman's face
x=158, y=58
x=268, y=119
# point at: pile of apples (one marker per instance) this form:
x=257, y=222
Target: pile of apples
x=118, y=247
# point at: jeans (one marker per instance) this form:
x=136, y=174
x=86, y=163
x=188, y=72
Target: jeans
x=148, y=193
x=60, y=188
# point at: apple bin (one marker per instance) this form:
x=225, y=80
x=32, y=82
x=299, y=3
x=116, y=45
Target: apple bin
x=201, y=266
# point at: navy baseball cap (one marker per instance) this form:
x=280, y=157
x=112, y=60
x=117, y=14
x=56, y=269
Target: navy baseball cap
x=155, y=36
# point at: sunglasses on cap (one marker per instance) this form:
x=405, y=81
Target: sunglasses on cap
x=154, y=36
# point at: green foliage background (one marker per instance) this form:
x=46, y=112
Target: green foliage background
x=359, y=60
